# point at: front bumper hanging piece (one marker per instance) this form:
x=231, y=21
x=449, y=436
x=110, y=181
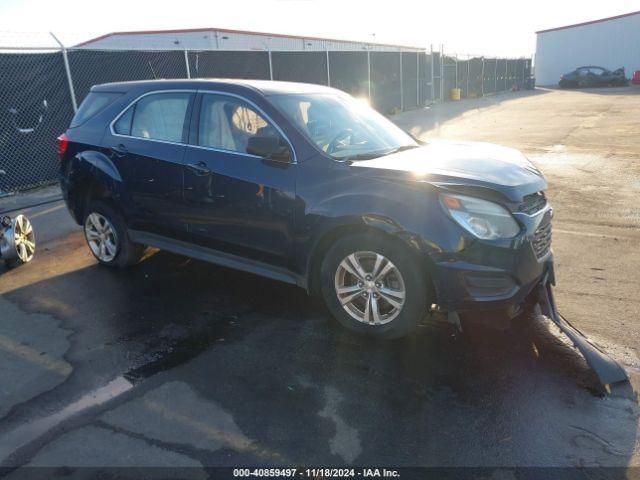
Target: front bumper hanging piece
x=609, y=372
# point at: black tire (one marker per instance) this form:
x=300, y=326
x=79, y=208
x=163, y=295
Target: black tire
x=418, y=299
x=127, y=252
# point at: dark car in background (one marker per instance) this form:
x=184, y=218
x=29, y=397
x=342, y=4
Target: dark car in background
x=307, y=185
x=592, y=76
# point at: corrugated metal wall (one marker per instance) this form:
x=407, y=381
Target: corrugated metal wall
x=610, y=44
x=222, y=40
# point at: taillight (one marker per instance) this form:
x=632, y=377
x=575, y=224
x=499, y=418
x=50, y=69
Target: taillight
x=63, y=143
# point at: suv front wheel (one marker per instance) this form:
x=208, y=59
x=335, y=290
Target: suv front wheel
x=107, y=237
x=374, y=286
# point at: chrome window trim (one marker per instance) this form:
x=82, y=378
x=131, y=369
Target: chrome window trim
x=223, y=150
x=133, y=102
x=294, y=160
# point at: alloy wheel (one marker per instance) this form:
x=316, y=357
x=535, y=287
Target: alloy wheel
x=370, y=288
x=101, y=237
x=24, y=238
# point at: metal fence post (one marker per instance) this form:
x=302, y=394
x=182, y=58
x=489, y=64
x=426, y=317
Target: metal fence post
x=369, y=73
x=456, y=63
x=482, y=80
x=468, y=73
x=270, y=65
x=328, y=70
x=495, y=75
x=433, y=91
x=401, y=85
x=186, y=63
x=441, y=73
x=418, y=79
x=67, y=69
x=506, y=73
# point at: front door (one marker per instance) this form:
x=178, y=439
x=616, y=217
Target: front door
x=238, y=202
x=147, y=143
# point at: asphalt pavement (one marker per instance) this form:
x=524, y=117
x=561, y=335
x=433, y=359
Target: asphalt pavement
x=181, y=365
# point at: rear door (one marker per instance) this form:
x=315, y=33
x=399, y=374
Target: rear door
x=147, y=141
x=238, y=202
x=583, y=76
x=600, y=76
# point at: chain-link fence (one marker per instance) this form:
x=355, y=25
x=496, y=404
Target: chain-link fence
x=42, y=88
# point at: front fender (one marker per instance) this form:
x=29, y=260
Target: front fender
x=339, y=215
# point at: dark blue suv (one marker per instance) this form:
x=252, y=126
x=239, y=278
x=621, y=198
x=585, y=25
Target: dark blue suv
x=305, y=184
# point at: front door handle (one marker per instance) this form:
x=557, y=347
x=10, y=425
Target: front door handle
x=199, y=169
x=120, y=150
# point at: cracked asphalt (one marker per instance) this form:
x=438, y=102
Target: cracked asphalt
x=182, y=365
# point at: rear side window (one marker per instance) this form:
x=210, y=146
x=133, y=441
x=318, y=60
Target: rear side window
x=94, y=103
x=159, y=116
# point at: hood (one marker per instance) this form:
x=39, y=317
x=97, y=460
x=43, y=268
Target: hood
x=503, y=169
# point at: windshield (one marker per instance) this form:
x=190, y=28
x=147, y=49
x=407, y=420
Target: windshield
x=343, y=127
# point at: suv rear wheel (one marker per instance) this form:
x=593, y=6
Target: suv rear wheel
x=373, y=286
x=107, y=237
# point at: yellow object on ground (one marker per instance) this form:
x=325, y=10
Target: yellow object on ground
x=455, y=94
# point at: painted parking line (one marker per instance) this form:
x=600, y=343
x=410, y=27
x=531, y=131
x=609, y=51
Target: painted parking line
x=47, y=211
x=23, y=435
x=229, y=439
x=35, y=357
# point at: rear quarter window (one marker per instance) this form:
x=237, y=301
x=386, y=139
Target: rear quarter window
x=94, y=103
x=155, y=116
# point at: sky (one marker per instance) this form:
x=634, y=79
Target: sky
x=485, y=27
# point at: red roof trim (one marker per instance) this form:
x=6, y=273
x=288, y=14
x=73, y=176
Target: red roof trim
x=249, y=32
x=589, y=23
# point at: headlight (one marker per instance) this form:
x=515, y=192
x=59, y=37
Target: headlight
x=484, y=219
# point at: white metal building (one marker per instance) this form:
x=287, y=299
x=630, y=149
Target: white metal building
x=224, y=39
x=610, y=43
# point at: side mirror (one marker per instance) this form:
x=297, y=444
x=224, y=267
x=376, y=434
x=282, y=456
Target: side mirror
x=271, y=148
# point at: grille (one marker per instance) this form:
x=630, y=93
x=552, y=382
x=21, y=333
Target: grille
x=533, y=203
x=542, y=240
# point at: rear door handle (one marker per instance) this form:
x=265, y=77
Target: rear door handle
x=120, y=150
x=199, y=168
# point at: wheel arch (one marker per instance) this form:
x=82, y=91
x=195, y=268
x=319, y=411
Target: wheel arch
x=94, y=176
x=365, y=224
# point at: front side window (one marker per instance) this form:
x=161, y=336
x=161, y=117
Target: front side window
x=228, y=123
x=342, y=126
x=159, y=116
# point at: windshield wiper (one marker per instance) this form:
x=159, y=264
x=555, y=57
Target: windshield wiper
x=400, y=149
x=362, y=156
x=372, y=155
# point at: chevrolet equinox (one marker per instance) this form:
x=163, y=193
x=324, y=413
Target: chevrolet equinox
x=307, y=185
